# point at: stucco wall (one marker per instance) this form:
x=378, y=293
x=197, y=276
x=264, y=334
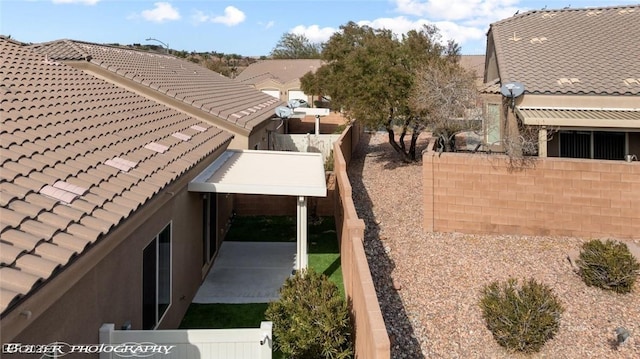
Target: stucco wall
x=557, y=196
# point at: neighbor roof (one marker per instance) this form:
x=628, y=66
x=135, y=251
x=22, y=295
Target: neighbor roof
x=571, y=51
x=282, y=71
x=473, y=63
x=78, y=156
x=176, y=78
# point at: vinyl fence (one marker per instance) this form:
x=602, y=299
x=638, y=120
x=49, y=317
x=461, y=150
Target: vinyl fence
x=253, y=343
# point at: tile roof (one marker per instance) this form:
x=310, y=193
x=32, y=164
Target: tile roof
x=473, y=63
x=282, y=71
x=176, y=78
x=61, y=130
x=571, y=51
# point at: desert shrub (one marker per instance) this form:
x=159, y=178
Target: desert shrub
x=521, y=318
x=608, y=265
x=310, y=320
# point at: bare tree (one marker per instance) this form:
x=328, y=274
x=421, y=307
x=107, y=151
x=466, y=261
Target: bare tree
x=446, y=97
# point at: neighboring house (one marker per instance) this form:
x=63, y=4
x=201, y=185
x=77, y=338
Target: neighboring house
x=581, y=74
x=280, y=78
x=474, y=64
x=96, y=221
x=248, y=114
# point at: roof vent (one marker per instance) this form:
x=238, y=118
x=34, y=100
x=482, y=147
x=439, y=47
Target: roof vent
x=548, y=15
x=77, y=190
x=181, y=136
x=631, y=82
x=538, y=40
x=568, y=81
x=198, y=128
x=154, y=146
x=593, y=13
x=120, y=163
x=59, y=194
x=625, y=11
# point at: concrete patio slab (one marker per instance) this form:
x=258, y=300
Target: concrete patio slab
x=248, y=272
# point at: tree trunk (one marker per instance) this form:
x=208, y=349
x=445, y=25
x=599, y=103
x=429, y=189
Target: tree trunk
x=394, y=144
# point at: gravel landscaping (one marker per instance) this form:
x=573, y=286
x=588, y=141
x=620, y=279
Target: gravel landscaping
x=429, y=284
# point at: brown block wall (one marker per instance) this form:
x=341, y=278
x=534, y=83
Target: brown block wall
x=264, y=205
x=475, y=193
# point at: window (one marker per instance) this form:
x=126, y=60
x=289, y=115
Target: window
x=587, y=144
x=209, y=227
x=156, y=279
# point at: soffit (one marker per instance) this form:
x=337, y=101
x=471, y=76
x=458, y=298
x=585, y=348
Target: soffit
x=577, y=117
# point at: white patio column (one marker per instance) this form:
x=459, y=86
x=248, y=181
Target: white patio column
x=542, y=142
x=301, y=253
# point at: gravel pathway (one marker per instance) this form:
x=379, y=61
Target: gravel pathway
x=429, y=284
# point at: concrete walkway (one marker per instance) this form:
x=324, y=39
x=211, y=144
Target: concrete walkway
x=248, y=272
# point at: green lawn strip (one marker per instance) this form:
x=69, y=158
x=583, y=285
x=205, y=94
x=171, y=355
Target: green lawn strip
x=262, y=229
x=224, y=316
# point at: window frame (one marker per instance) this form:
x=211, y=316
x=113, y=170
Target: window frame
x=159, y=314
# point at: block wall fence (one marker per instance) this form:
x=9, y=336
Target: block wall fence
x=479, y=193
x=371, y=337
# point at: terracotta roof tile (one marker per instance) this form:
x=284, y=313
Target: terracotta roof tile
x=72, y=243
x=9, y=253
x=35, y=265
x=54, y=253
x=57, y=195
x=39, y=229
x=20, y=239
x=28, y=209
x=16, y=280
x=570, y=51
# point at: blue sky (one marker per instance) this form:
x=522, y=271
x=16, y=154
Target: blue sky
x=253, y=28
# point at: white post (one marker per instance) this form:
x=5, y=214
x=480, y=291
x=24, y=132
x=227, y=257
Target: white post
x=542, y=142
x=317, y=125
x=266, y=340
x=106, y=332
x=301, y=255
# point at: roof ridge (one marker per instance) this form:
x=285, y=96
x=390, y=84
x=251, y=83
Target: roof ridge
x=567, y=9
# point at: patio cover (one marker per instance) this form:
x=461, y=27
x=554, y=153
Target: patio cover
x=299, y=174
x=580, y=117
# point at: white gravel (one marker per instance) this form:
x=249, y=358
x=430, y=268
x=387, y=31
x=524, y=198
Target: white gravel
x=429, y=284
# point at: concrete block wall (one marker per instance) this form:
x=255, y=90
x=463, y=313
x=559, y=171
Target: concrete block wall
x=371, y=337
x=264, y=205
x=477, y=193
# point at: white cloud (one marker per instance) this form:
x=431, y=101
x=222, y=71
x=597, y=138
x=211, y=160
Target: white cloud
x=269, y=24
x=199, y=17
x=448, y=30
x=314, y=32
x=85, y=2
x=163, y=11
x=456, y=10
x=232, y=16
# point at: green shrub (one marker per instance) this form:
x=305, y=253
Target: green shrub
x=608, y=265
x=310, y=320
x=521, y=318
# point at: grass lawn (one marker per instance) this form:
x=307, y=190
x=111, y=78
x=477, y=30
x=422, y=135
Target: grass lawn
x=324, y=257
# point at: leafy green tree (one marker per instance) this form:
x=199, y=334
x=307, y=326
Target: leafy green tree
x=295, y=46
x=373, y=76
